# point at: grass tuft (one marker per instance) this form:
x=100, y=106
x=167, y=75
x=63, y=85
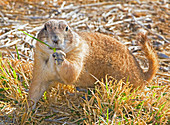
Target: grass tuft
x=110, y=102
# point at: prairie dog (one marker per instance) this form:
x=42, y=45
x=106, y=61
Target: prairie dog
x=81, y=54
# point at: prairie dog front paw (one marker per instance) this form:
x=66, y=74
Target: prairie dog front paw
x=59, y=57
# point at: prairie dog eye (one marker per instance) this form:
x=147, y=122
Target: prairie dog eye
x=45, y=27
x=66, y=29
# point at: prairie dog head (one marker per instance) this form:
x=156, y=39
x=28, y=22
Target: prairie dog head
x=59, y=35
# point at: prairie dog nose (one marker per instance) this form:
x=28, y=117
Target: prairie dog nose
x=55, y=39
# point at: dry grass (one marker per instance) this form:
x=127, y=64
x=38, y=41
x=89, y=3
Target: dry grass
x=110, y=102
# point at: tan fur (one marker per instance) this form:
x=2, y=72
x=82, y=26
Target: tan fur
x=86, y=54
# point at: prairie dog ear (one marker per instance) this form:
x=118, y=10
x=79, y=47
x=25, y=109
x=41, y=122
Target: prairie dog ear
x=63, y=25
x=46, y=25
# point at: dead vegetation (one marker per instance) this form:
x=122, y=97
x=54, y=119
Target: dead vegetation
x=109, y=102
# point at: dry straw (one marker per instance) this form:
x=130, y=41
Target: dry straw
x=110, y=102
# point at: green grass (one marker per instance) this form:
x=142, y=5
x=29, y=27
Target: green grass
x=110, y=102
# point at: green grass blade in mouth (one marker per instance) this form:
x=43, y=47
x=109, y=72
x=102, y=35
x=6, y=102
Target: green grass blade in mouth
x=54, y=49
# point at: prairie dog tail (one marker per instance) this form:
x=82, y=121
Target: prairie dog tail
x=151, y=56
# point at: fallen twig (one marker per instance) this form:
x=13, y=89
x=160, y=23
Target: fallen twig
x=23, y=56
x=122, y=21
x=150, y=31
x=163, y=74
x=87, y=5
x=20, y=27
x=10, y=44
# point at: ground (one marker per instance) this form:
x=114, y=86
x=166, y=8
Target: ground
x=107, y=103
